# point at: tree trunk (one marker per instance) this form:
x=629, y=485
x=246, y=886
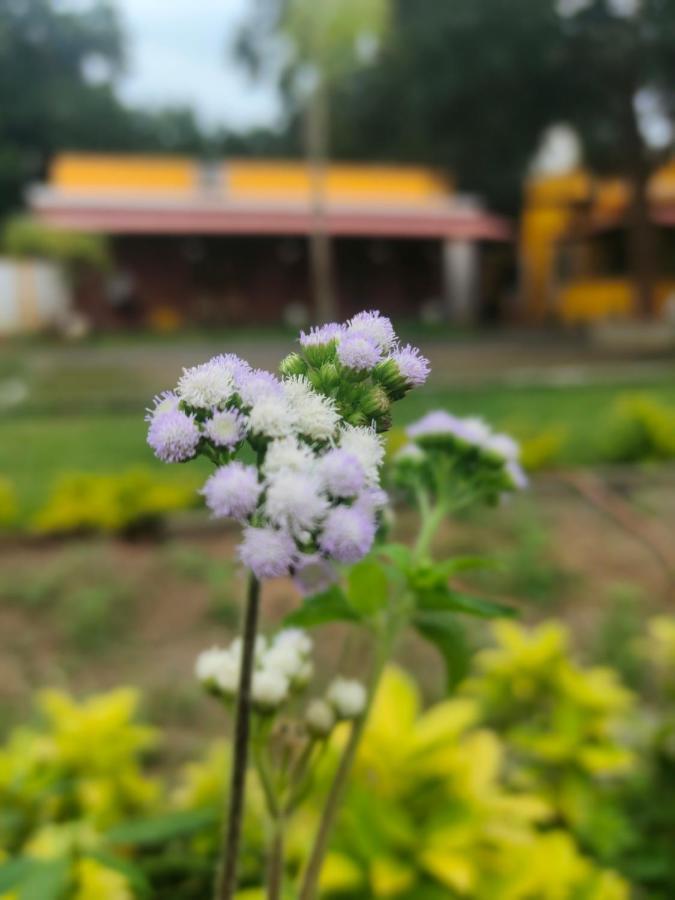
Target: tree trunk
x=641, y=244
x=320, y=249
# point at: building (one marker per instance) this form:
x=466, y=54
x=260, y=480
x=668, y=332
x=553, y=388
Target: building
x=227, y=242
x=574, y=247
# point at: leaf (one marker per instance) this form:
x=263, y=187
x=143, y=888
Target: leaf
x=329, y=606
x=367, y=587
x=36, y=879
x=13, y=871
x=451, y=601
x=442, y=629
x=159, y=829
x=399, y=554
x=134, y=874
x=467, y=564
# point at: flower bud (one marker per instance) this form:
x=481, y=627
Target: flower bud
x=388, y=374
x=293, y=364
x=318, y=354
x=347, y=697
x=374, y=402
x=320, y=718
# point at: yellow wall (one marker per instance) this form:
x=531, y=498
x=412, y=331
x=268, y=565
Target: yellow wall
x=104, y=174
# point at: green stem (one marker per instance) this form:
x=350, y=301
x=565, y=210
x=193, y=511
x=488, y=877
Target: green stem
x=275, y=865
x=432, y=519
x=226, y=876
x=312, y=872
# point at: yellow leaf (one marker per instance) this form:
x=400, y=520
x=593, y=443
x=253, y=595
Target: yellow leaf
x=339, y=873
x=389, y=877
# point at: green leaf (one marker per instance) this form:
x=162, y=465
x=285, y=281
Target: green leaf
x=36, y=879
x=444, y=598
x=367, y=587
x=444, y=631
x=329, y=606
x=399, y=554
x=159, y=829
x=451, y=567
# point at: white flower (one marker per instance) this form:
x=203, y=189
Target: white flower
x=208, y=662
x=269, y=689
x=476, y=431
x=294, y=501
x=320, y=718
x=503, y=445
x=375, y=327
x=296, y=638
x=367, y=446
x=412, y=452
x=261, y=644
x=288, y=453
x=272, y=417
x=207, y=385
x=315, y=415
x=347, y=697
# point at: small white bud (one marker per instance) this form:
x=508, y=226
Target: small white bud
x=269, y=689
x=347, y=697
x=320, y=718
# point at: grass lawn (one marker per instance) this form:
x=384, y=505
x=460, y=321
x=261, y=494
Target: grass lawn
x=34, y=448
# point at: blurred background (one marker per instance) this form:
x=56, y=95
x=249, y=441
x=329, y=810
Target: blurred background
x=181, y=179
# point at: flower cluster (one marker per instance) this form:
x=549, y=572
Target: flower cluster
x=462, y=456
x=283, y=669
x=313, y=495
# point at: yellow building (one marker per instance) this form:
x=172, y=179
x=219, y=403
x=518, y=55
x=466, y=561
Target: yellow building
x=574, y=260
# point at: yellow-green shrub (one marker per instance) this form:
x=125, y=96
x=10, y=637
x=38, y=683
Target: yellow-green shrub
x=8, y=503
x=135, y=499
x=640, y=428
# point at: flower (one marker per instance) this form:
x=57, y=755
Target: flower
x=268, y=552
x=367, y=446
x=269, y=689
x=412, y=365
x=287, y=453
x=294, y=501
x=296, y=638
x=174, y=436
x=322, y=334
x=517, y=475
x=358, y=351
x=314, y=414
x=320, y=718
x=233, y=491
x=437, y=422
x=226, y=429
x=375, y=327
x=207, y=385
x=503, y=445
x=165, y=402
x=270, y=416
x=348, y=533
x=286, y=659
x=347, y=697
x=342, y=473
x=218, y=668
x=257, y=385
x=208, y=663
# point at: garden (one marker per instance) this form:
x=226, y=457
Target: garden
x=461, y=680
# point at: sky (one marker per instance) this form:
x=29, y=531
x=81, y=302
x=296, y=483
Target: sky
x=180, y=52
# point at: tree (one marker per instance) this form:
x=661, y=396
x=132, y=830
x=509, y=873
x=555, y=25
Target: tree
x=619, y=55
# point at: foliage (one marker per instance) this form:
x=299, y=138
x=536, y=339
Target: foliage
x=543, y=449
x=130, y=501
x=516, y=787
x=8, y=503
x=641, y=429
x=25, y=237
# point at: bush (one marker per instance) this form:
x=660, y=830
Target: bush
x=25, y=237
x=640, y=429
x=541, y=778
x=132, y=501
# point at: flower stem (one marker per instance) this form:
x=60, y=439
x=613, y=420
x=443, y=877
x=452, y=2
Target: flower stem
x=310, y=880
x=226, y=879
x=275, y=866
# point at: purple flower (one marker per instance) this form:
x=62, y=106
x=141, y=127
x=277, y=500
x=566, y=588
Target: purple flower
x=238, y=367
x=437, y=422
x=517, y=475
x=259, y=385
x=348, y=533
x=412, y=365
x=341, y=473
x=321, y=335
x=173, y=436
x=358, y=351
x=226, y=429
x=375, y=327
x=165, y=402
x=232, y=490
x=267, y=552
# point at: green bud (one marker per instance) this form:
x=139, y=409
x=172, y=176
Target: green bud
x=374, y=402
x=318, y=354
x=328, y=376
x=387, y=374
x=293, y=364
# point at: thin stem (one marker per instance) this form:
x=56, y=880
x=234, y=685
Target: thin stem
x=275, y=865
x=431, y=522
x=312, y=872
x=226, y=878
